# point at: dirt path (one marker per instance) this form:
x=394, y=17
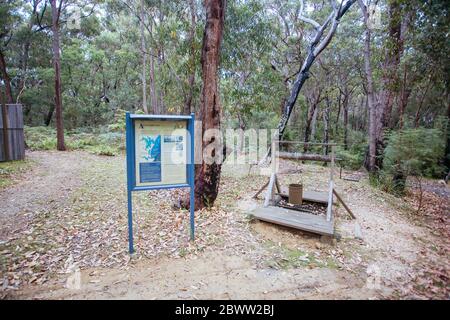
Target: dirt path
x=47, y=186
x=64, y=236
x=211, y=276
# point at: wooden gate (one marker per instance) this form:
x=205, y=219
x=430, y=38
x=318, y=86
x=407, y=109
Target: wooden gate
x=12, y=141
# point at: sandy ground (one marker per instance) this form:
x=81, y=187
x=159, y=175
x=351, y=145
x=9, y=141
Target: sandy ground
x=47, y=185
x=234, y=258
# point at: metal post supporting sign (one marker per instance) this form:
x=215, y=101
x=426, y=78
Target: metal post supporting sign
x=160, y=155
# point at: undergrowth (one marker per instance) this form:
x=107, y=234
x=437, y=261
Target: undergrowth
x=100, y=141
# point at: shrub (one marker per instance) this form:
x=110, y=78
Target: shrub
x=44, y=138
x=415, y=152
x=350, y=159
x=40, y=138
x=412, y=152
x=103, y=150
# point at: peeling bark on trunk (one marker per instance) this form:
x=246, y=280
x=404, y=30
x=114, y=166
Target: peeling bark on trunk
x=207, y=176
x=56, y=11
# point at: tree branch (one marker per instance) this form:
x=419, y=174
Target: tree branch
x=314, y=23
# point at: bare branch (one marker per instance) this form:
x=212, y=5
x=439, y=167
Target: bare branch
x=314, y=23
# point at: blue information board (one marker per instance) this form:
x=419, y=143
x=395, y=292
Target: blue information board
x=160, y=155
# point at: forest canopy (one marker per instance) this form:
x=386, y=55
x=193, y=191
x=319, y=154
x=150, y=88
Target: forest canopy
x=385, y=72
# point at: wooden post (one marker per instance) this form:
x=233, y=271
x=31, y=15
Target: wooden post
x=344, y=204
x=273, y=183
x=5, y=127
x=261, y=190
x=270, y=191
x=330, y=191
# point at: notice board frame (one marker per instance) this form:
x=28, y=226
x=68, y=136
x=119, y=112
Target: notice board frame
x=131, y=166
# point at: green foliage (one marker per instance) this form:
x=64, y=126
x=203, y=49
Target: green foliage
x=103, y=150
x=94, y=141
x=353, y=158
x=383, y=181
x=349, y=159
x=262, y=51
x=415, y=152
x=40, y=138
x=11, y=168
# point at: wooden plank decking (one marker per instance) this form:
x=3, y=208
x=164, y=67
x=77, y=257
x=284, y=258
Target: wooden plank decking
x=295, y=219
x=311, y=196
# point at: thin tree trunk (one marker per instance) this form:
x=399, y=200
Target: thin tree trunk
x=312, y=102
x=153, y=94
x=339, y=111
x=417, y=117
x=314, y=124
x=26, y=53
x=326, y=124
x=6, y=78
x=192, y=64
x=49, y=116
x=372, y=154
x=345, y=125
x=406, y=92
x=56, y=12
x=345, y=103
x=208, y=174
x=144, y=60
x=242, y=126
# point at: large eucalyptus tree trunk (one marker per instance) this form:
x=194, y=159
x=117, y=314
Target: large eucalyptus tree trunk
x=390, y=79
x=207, y=175
x=56, y=12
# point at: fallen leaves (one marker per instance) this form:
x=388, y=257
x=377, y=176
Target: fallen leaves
x=86, y=227
x=432, y=277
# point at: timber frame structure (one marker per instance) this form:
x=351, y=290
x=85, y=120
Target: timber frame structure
x=305, y=221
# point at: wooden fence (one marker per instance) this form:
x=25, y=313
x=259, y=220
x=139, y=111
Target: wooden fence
x=12, y=140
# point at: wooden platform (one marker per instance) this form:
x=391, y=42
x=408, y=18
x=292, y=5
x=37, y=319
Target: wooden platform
x=311, y=196
x=295, y=219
